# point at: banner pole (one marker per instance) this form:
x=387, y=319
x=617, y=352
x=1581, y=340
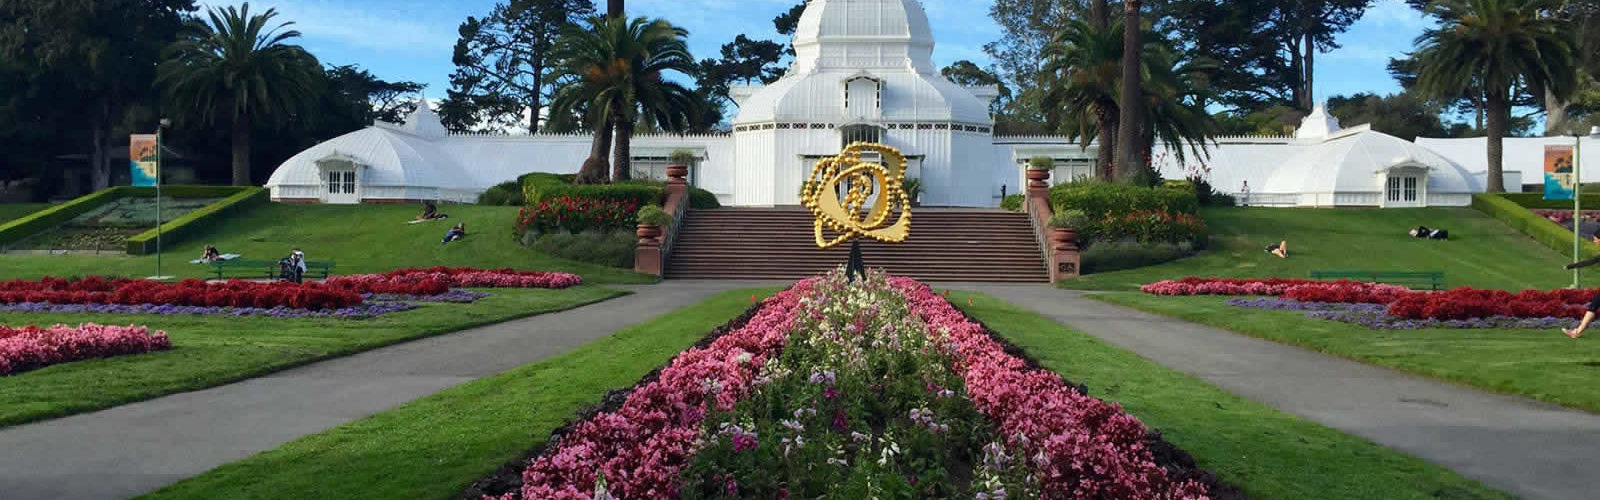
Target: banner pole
x=1577, y=206
x=158, y=205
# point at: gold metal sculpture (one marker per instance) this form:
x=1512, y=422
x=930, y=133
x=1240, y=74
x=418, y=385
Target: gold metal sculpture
x=860, y=180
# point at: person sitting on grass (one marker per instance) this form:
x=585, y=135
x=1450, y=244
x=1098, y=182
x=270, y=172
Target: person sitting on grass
x=430, y=211
x=455, y=233
x=1280, y=249
x=1594, y=304
x=211, y=254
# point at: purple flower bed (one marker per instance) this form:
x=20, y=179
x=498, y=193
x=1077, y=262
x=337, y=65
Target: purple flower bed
x=375, y=305
x=1376, y=317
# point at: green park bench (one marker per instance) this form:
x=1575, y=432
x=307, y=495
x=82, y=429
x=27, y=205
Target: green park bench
x=267, y=269
x=1432, y=280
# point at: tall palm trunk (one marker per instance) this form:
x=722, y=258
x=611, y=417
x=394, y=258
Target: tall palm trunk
x=1100, y=15
x=614, y=8
x=1106, y=115
x=1555, y=109
x=241, y=149
x=1499, y=111
x=595, y=168
x=622, y=157
x=99, y=174
x=1132, y=92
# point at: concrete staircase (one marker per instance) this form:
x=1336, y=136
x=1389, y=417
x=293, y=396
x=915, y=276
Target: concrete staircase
x=777, y=243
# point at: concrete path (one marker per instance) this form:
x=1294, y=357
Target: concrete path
x=137, y=448
x=1532, y=449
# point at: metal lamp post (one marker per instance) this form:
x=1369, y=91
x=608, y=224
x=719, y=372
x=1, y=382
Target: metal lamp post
x=164, y=124
x=1577, y=200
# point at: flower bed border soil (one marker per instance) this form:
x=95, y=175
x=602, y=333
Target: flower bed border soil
x=508, y=477
x=1178, y=464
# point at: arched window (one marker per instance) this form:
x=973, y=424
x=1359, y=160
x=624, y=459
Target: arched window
x=863, y=97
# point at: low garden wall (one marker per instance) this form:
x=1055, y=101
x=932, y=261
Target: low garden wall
x=172, y=232
x=1512, y=210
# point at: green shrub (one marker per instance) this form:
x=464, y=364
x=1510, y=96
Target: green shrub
x=613, y=249
x=681, y=157
x=1540, y=229
x=912, y=187
x=1147, y=227
x=1041, y=163
x=538, y=187
x=1012, y=202
x=652, y=215
x=1119, y=255
x=1101, y=199
x=198, y=220
x=700, y=199
x=503, y=194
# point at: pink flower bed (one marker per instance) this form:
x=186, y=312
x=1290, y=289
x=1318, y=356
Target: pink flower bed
x=1224, y=286
x=409, y=280
x=1081, y=447
x=1458, y=304
x=643, y=447
x=32, y=347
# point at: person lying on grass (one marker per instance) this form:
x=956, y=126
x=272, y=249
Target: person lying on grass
x=1594, y=304
x=1280, y=249
x=455, y=233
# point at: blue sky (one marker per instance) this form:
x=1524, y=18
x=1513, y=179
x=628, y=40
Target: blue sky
x=412, y=39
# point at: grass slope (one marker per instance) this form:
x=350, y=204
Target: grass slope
x=14, y=211
x=434, y=447
x=1542, y=365
x=1483, y=252
x=360, y=238
x=210, y=351
x=1267, y=453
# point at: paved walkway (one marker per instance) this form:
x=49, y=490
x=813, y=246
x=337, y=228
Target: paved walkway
x=140, y=447
x=1536, y=450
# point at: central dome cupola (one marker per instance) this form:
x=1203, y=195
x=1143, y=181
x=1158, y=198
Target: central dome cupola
x=863, y=34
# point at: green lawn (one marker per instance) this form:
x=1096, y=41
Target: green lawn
x=434, y=447
x=1267, y=453
x=1483, y=252
x=360, y=238
x=210, y=351
x=13, y=211
x=1543, y=365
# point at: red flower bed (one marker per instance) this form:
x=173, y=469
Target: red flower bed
x=437, y=280
x=189, y=292
x=32, y=347
x=577, y=215
x=1458, y=304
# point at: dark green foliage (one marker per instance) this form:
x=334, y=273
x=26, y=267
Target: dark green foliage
x=503, y=194
x=538, y=187
x=1118, y=255
x=1536, y=200
x=1099, y=199
x=503, y=62
x=700, y=199
x=1012, y=202
x=613, y=249
x=1540, y=229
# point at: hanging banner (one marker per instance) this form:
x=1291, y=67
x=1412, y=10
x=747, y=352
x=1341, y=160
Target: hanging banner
x=1558, y=174
x=143, y=169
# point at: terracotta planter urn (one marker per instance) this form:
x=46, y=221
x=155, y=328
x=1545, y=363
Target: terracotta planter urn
x=1037, y=177
x=648, y=235
x=677, y=173
x=1064, y=238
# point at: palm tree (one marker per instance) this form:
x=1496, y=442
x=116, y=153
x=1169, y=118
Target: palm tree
x=1088, y=61
x=1502, y=47
x=1129, y=127
x=622, y=64
x=238, y=65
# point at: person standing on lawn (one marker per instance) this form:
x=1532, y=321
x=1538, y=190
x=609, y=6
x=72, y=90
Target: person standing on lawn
x=1594, y=304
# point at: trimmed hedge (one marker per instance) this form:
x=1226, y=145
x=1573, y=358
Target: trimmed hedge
x=700, y=199
x=1098, y=200
x=503, y=194
x=538, y=187
x=1536, y=200
x=13, y=231
x=1540, y=229
x=204, y=218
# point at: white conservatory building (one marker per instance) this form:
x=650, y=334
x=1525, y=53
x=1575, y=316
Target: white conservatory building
x=863, y=71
